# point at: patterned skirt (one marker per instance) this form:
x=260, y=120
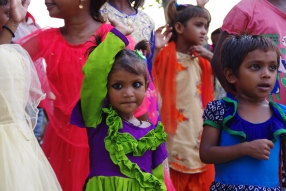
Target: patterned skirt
x=216, y=186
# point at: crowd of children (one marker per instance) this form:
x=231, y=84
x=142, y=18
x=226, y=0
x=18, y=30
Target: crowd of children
x=131, y=108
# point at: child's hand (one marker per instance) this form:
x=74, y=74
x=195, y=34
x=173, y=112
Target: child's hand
x=124, y=29
x=18, y=10
x=202, y=3
x=201, y=51
x=259, y=149
x=161, y=39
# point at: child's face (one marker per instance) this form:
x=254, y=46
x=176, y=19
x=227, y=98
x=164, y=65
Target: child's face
x=195, y=30
x=257, y=74
x=126, y=91
x=62, y=8
x=4, y=14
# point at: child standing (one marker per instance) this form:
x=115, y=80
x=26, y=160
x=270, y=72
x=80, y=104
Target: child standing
x=184, y=83
x=125, y=153
x=243, y=134
x=23, y=165
x=66, y=145
x=246, y=18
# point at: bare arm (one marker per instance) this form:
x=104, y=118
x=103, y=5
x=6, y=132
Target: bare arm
x=202, y=3
x=18, y=12
x=212, y=153
x=31, y=46
x=201, y=51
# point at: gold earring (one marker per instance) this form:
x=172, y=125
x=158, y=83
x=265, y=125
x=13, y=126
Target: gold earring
x=80, y=5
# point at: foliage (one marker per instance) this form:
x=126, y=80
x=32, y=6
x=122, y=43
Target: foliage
x=158, y=2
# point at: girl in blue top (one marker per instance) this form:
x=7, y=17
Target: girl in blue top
x=243, y=135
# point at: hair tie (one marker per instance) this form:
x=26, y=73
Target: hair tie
x=139, y=54
x=176, y=4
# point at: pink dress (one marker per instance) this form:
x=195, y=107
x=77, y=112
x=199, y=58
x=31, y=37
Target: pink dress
x=65, y=145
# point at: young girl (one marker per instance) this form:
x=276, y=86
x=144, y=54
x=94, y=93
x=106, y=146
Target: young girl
x=128, y=13
x=243, y=134
x=66, y=145
x=125, y=153
x=23, y=165
x=185, y=86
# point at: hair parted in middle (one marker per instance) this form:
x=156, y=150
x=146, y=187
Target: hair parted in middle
x=236, y=47
x=182, y=13
x=129, y=61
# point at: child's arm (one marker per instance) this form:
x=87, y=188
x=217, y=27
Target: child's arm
x=96, y=70
x=212, y=153
x=18, y=10
x=202, y=3
x=161, y=39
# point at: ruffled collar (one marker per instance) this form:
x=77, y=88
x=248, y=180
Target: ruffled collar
x=120, y=144
x=248, y=131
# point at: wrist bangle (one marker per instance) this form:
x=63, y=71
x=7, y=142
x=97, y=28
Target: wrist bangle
x=5, y=27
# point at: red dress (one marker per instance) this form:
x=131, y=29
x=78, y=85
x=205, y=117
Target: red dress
x=65, y=145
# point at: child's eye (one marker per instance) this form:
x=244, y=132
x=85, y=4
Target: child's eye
x=273, y=68
x=255, y=67
x=117, y=86
x=137, y=85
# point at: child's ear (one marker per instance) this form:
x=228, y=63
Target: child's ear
x=229, y=75
x=179, y=27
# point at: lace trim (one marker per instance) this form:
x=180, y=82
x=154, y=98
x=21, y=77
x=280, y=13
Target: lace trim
x=120, y=144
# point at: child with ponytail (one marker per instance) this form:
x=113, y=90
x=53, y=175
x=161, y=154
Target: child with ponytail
x=185, y=85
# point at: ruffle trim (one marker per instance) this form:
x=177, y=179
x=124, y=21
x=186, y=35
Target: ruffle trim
x=120, y=144
x=240, y=127
x=114, y=183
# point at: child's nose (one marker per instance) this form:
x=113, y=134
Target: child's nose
x=204, y=31
x=128, y=92
x=266, y=73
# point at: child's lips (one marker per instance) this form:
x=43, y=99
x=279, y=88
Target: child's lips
x=128, y=103
x=264, y=87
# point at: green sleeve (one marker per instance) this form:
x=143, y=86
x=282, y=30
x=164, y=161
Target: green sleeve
x=96, y=70
x=159, y=173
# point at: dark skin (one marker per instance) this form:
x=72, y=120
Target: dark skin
x=18, y=11
x=123, y=5
x=78, y=28
x=161, y=37
x=252, y=106
x=216, y=66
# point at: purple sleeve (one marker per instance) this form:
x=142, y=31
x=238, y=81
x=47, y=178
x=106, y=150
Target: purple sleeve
x=120, y=35
x=159, y=155
x=76, y=115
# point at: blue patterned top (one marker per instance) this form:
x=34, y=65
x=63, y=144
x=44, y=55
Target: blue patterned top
x=222, y=114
